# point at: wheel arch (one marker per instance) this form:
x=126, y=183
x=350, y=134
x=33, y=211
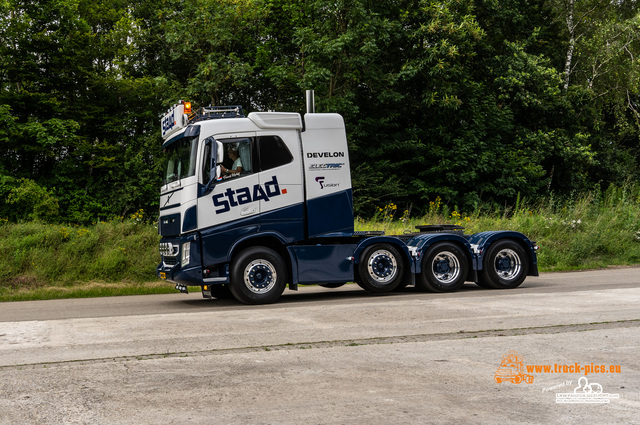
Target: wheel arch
x=482, y=241
x=365, y=243
x=273, y=241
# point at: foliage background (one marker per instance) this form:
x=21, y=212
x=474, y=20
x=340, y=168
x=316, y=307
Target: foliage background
x=477, y=102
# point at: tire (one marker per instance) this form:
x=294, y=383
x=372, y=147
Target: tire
x=403, y=285
x=481, y=283
x=505, y=265
x=331, y=285
x=258, y=276
x=444, y=269
x=381, y=268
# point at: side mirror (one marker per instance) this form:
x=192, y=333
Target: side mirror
x=214, y=153
x=219, y=153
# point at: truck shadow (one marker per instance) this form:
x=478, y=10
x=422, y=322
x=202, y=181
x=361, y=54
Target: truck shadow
x=351, y=292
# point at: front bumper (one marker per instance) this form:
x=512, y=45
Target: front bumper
x=181, y=261
x=191, y=276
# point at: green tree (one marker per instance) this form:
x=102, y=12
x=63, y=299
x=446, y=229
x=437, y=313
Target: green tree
x=78, y=101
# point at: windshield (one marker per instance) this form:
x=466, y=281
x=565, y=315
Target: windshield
x=181, y=161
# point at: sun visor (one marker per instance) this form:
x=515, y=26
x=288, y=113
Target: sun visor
x=190, y=131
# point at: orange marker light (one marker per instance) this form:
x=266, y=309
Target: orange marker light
x=187, y=107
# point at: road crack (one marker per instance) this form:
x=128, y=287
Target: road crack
x=401, y=339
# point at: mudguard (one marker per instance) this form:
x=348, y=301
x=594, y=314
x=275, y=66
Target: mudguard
x=382, y=239
x=419, y=245
x=480, y=242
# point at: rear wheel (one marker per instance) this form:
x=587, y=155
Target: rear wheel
x=505, y=265
x=258, y=276
x=381, y=268
x=444, y=269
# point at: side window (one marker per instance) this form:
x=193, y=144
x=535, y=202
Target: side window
x=237, y=160
x=273, y=152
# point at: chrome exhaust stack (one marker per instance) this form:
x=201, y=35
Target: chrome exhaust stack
x=311, y=102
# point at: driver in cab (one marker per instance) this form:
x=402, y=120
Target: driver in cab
x=236, y=168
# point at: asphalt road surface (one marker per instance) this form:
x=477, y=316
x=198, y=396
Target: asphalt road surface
x=331, y=356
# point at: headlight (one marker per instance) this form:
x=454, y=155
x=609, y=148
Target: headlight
x=186, y=251
x=167, y=249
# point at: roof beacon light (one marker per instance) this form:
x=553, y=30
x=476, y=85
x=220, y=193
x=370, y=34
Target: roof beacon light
x=187, y=107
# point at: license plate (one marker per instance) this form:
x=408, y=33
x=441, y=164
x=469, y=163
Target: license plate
x=163, y=275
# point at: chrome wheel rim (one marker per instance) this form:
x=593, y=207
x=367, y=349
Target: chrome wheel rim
x=260, y=276
x=507, y=264
x=382, y=266
x=446, y=267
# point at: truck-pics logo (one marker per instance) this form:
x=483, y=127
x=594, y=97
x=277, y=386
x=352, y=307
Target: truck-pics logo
x=233, y=198
x=512, y=369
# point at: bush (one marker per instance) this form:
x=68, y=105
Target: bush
x=30, y=201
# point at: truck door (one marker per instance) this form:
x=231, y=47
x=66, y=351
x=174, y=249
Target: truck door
x=282, y=207
x=231, y=209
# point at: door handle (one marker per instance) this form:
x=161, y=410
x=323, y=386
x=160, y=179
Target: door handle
x=248, y=211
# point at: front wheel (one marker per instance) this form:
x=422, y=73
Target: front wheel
x=381, y=268
x=444, y=269
x=258, y=276
x=505, y=265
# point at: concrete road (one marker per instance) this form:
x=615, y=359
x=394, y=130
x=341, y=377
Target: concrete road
x=330, y=356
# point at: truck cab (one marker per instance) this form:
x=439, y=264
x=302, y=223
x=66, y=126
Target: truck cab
x=251, y=204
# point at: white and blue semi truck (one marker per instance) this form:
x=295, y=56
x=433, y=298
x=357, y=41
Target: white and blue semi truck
x=253, y=203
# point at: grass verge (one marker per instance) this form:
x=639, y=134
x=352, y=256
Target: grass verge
x=85, y=290
x=593, y=231
x=44, y=261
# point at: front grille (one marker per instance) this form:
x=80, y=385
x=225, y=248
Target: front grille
x=170, y=261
